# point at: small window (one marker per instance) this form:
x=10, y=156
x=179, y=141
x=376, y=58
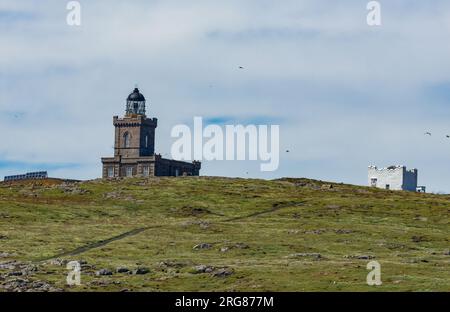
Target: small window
x=146, y=141
x=388, y=186
x=126, y=140
x=177, y=172
x=146, y=171
x=373, y=182
x=129, y=171
x=110, y=172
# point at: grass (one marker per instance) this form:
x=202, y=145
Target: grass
x=407, y=233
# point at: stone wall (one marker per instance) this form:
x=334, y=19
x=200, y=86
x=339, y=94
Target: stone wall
x=148, y=166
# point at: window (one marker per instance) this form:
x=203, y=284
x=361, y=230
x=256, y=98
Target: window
x=146, y=171
x=388, y=186
x=129, y=172
x=146, y=141
x=126, y=140
x=177, y=172
x=110, y=172
x=373, y=181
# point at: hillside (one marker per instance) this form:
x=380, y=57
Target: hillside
x=220, y=234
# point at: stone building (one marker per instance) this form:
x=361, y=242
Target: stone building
x=393, y=178
x=134, y=146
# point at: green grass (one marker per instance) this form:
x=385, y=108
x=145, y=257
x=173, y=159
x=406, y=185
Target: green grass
x=407, y=233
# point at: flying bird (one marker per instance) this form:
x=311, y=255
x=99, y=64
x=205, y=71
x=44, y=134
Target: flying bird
x=428, y=133
x=288, y=151
x=448, y=136
x=240, y=67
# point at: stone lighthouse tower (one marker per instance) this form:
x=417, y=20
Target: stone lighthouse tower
x=134, y=146
x=135, y=133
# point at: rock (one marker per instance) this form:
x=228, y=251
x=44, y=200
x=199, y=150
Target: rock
x=15, y=273
x=58, y=261
x=28, y=269
x=360, y=257
x=233, y=246
x=203, y=246
x=316, y=256
x=122, y=270
x=8, y=265
x=103, y=272
x=202, y=224
x=5, y=255
x=241, y=246
x=203, y=269
x=141, y=271
x=85, y=266
x=223, y=272
x=172, y=264
x=70, y=188
x=15, y=284
x=318, y=231
x=192, y=211
x=101, y=282
x=23, y=285
x=341, y=231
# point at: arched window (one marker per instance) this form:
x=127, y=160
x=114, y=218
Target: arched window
x=126, y=140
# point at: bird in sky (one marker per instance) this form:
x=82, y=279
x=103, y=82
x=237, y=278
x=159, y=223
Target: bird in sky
x=428, y=133
x=240, y=67
x=288, y=151
x=448, y=136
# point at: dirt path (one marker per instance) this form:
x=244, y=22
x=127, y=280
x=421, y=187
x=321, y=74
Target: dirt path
x=273, y=209
x=104, y=242
x=101, y=243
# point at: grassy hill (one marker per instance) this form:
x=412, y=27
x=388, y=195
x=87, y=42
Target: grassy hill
x=220, y=234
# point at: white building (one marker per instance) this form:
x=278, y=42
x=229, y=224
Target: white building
x=393, y=178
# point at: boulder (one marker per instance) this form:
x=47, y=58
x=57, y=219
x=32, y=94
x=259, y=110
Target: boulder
x=203, y=269
x=202, y=246
x=141, y=271
x=122, y=270
x=223, y=272
x=103, y=272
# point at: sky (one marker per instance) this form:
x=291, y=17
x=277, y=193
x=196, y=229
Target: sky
x=346, y=95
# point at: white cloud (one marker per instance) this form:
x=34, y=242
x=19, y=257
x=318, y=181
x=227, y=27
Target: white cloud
x=349, y=94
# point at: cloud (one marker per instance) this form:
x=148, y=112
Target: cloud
x=346, y=95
